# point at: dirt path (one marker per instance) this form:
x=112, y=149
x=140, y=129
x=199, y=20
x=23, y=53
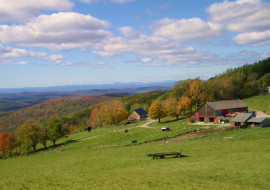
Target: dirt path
x=193, y=135
x=146, y=125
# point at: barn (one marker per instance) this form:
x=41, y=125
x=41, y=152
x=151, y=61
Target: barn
x=137, y=115
x=259, y=122
x=211, y=110
x=241, y=120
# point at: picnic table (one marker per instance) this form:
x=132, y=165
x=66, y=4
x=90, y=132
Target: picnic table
x=163, y=155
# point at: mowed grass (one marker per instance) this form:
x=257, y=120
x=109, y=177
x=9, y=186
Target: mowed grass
x=243, y=162
x=260, y=102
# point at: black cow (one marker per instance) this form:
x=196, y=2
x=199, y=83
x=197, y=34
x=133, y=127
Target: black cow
x=87, y=129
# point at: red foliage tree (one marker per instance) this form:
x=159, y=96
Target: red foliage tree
x=7, y=142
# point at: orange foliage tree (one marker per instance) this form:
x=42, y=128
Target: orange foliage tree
x=94, y=119
x=157, y=110
x=7, y=142
x=113, y=113
x=171, y=107
x=184, y=104
x=196, y=91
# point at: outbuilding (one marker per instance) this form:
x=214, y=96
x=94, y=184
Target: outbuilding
x=241, y=119
x=259, y=122
x=137, y=115
x=221, y=119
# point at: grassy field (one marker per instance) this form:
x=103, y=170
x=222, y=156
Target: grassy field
x=242, y=162
x=260, y=102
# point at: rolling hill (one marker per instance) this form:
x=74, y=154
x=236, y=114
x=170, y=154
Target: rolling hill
x=44, y=110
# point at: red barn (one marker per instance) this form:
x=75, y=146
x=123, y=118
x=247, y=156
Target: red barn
x=211, y=110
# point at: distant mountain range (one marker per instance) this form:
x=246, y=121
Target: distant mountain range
x=69, y=88
x=13, y=99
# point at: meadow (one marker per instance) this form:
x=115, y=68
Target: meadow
x=214, y=162
x=260, y=102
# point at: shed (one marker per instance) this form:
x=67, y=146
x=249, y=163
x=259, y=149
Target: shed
x=211, y=110
x=137, y=115
x=259, y=122
x=241, y=119
x=221, y=119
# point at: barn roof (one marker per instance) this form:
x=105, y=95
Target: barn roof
x=256, y=120
x=242, y=117
x=226, y=104
x=140, y=111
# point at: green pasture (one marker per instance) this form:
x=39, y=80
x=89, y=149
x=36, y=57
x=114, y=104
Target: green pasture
x=241, y=162
x=260, y=102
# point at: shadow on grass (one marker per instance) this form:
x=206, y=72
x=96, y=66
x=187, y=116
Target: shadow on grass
x=179, y=119
x=56, y=146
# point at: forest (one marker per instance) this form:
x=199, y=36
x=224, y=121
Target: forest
x=56, y=118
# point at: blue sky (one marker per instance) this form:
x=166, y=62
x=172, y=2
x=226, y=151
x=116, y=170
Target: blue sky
x=69, y=42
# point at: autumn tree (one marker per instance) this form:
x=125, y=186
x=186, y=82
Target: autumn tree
x=55, y=130
x=157, y=110
x=94, y=119
x=7, y=142
x=113, y=112
x=29, y=134
x=171, y=107
x=196, y=91
x=184, y=104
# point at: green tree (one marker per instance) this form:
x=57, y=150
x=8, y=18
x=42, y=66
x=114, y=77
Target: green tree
x=180, y=88
x=55, y=130
x=29, y=134
x=157, y=110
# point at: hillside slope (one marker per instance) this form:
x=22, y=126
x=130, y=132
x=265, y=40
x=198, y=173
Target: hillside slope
x=43, y=111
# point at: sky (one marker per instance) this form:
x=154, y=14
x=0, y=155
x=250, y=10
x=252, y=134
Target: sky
x=74, y=42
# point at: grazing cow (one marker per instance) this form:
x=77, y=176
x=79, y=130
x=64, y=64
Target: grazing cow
x=87, y=129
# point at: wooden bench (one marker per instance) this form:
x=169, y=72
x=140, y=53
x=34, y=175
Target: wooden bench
x=163, y=155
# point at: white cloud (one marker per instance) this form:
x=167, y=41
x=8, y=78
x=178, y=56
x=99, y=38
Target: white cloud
x=155, y=51
x=22, y=10
x=186, y=30
x=9, y=52
x=64, y=30
x=9, y=62
x=121, y=1
x=255, y=38
x=128, y=32
x=88, y=1
x=250, y=17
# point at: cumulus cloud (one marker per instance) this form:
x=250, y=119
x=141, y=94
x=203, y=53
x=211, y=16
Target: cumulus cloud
x=10, y=62
x=255, y=38
x=22, y=10
x=9, y=52
x=128, y=32
x=250, y=17
x=155, y=51
x=186, y=30
x=64, y=30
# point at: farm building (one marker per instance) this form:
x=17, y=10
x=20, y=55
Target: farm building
x=221, y=119
x=211, y=110
x=137, y=115
x=241, y=120
x=259, y=122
